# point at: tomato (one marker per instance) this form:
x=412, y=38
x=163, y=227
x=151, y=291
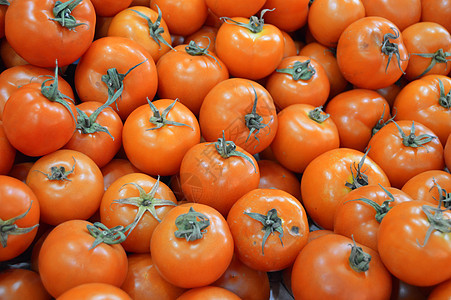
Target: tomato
x=109, y=8
x=208, y=293
x=390, y=92
x=447, y=152
x=405, y=149
x=249, y=48
x=274, y=175
x=429, y=46
x=420, y=256
x=358, y=114
x=377, y=44
x=157, y=135
x=360, y=212
x=441, y=291
x=22, y=284
x=182, y=18
x=402, y=13
x=204, y=38
x=20, y=170
x=302, y=126
x=437, y=11
x=9, y=56
x=13, y=78
x=192, y=246
x=235, y=8
x=198, y=71
x=327, y=19
x=144, y=282
x=86, y=244
x=290, y=46
x=19, y=217
x=7, y=152
x=427, y=100
x=326, y=58
x=116, y=65
x=93, y=291
x=352, y=271
x=269, y=228
x=99, y=132
x=144, y=26
x=116, y=168
x=50, y=30
x=139, y=198
x=288, y=15
x=332, y=175
x=218, y=174
x=68, y=185
x=429, y=186
x=298, y=79
x=313, y=235
x=245, y=282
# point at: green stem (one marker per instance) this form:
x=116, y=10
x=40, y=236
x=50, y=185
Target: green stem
x=436, y=221
x=390, y=49
x=7, y=227
x=254, y=121
x=195, y=50
x=318, y=115
x=381, y=123
x=299, y=70
x=359, y=179
x=191, y=226
x=440, y=56
x=160, y=120
x=412, y=140
x=58, y=172
x=62, y=13
x=255, y=24
x=109, y=236
x=358, y=259
x=445, y=99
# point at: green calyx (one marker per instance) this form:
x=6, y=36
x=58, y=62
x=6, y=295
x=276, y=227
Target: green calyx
x=358, y=259
x=440, y=56
x=271, y=224
x=412, y=140
x=381, y=123
x=253, y=120
x=299, y=70
x=160, y=120
x=445, y=99
x=318, y=115
x=4, y=2
x=109, y=236
x=62, y=14
x=388, y=48
x=7, y=228
x=59, y=172
x=255, y=24
x=444, y=196
x=191, y=226
x=436, y=220
x=359, y=179
x=195, y=50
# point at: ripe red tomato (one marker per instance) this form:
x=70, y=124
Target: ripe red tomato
x=288, y=15
x=377, y=44
x=7, y=153
x=419, y=257
x=402, y=13
x=94, y=291
x=274, y=175
x=192, y=246
x=69, y=247
x=208, y=293
x=437, y=11
x=116, y=168
x=428, y=186
x=352, y=271
x=68, y=185
x=405, y=149
x=19, y=217
x=22, y=284
x=269, y=228
x=298, y=79
x=144, y=282
x=198, y=71
x=332, y=175
x=302, y=126
x=234, y=8
x=50, y=30
x=157, y=135
x=109, y=8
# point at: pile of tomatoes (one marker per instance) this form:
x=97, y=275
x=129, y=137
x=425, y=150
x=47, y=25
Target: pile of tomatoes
x=211, y=149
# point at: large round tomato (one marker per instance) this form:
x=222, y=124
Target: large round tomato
x=116, y=168
x=287, y=15
x=437, y=11
x=80, y=249
x=429, y=186
x=19, y=217
x=269, y=228
x=192, y=246
x=157, y=135
x=420, y=256
x=46, y=31
x=7, y=153
x=22, y=284
x=371, y=53
x=68, y=185
x=332, y=267
x=94, y=291
x=402, y=13
x=109, y=8
x=274, y=175
x=234, y=8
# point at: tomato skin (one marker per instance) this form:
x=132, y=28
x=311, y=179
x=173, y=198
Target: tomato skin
x=323, y=182
x=159, y=151
x=9, y=56
x=437, y=11
x=401, y=162
x=99, y=146
x=70, y=242
x=113, y=214
x=22, y=284
x=419, y=101
x=286, y=90
x=423, y=266
x=360, y=45
x=297, y=130
x=209, y=179
x=15, y=199
x=234, y=8
x=326, y=259
x=77, y=197
x=196, y=75
x=7, y=153
x=122, y=54
x=357, y=219
x=327, y=19
x=144, y=282
x=116, y=168
x=40, y=40
x=289, y=15
x=441, y=291
x=355, y=113
x=208, y=293
x=247, y=54
x=20, y=170
x=109, y=8
x=402, y=13
x=248, y=233
x=423, y=186
x=180, y=261
x=93, y=291
x=274, y=175
x=447, y=152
